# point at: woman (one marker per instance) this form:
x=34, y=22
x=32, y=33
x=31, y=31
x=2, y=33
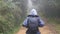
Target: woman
x=33, y=13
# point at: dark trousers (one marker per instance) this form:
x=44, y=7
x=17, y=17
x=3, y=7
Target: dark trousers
x=29, y=32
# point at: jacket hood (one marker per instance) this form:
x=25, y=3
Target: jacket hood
x=33, y=12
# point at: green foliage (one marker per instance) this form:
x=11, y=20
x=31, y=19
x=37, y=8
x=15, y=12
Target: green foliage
x=50, y=7
x=10, y=17
x=6, y=24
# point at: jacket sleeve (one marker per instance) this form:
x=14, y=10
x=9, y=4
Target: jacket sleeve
x=41, y=23
x=25, y=22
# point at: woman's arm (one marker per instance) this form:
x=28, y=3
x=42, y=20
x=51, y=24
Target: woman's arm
x=41, y=23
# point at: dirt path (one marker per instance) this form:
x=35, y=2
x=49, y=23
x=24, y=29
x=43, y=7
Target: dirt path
x=44, y=30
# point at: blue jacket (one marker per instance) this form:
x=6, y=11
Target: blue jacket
x=41, y=22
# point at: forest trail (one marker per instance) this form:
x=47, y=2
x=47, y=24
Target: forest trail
x=43, y=30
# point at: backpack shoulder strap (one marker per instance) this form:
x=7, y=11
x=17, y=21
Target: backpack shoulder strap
x=27, y=22
x=39, y=22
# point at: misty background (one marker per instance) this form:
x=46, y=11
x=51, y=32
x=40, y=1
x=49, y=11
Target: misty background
x=13, y=12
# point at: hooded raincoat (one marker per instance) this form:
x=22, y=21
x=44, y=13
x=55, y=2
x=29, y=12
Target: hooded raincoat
x=33, y=13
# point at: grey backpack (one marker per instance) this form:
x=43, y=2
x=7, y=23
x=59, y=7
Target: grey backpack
x=33, y=23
